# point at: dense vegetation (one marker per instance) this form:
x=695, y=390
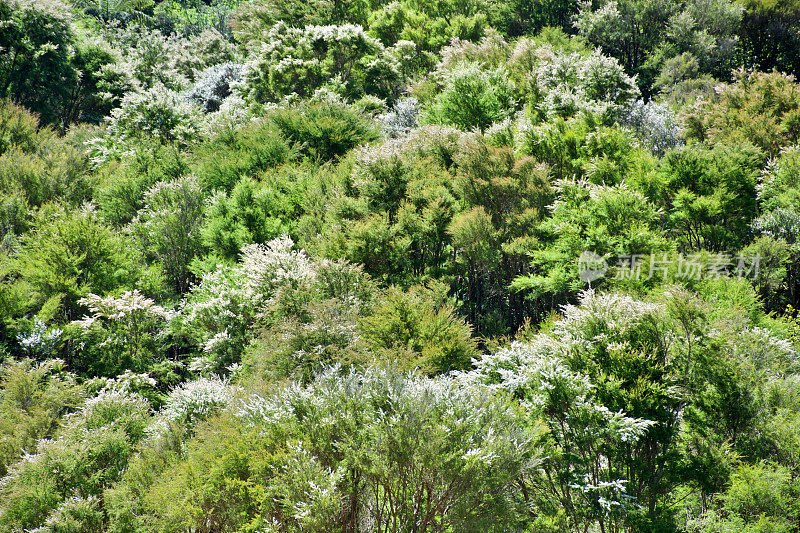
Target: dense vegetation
x=407, y=266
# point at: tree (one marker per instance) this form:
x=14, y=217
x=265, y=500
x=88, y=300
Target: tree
x=169, y=227
x=35, y=67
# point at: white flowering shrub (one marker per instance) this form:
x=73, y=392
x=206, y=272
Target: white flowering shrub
x=566, y=84
x=214, y=85
x=87, y=454
x=232, y=114
x=654, y=124
x=402, y=118
x=217, y=315
x=299, y=61
x=192, y=402
x=220, y=312
x=40, y=342
x=561, y=377
x=124, y=331
x=778, y=193
x=473, y=445
x=274, y=265
x=74, y=514
x=156, y=113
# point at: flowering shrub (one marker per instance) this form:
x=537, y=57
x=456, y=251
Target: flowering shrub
x=40, y=342
x=158, y=113
x=556, y=376
x=655, y=124
x=214, y=85
x=568, y=84
x=343, y=58
x=219, y=312
x=168, y=227
x=88, y=453
x=123, y=330
x=401, y=119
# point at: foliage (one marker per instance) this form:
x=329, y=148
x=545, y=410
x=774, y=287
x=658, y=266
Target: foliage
x=394, y=456
x=88, y=452
x=472, y=99
x=299, y=61
x=168, y=226
x=121, y=333
x=157, y=113
x=34, y=397
x=734, y=115
x=324, y=131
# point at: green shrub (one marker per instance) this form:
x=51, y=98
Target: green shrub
x=246, y=152
x=33, y=398
x=324, y=131
x=472, y=99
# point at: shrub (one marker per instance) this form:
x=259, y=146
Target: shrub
x=157, y=113
x=214, y=85
x=89, y=452
x=324, y=131
x=423, y=322
x=401, y=119
x=168, y=227
x=244, y=152
x=33, y=398
x=69, y=254
x=342, y=448
x=472, y=99
x=655, y=124
x=18, y=127
x=251, y=213
x=300, y=61
x=120, y=333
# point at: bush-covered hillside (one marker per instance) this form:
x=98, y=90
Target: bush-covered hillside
x=411, y=266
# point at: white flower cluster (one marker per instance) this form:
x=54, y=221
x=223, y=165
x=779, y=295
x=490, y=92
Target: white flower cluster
x=220, y=311
x=273, y=265
x=571, y=83
x=401, y=119
x=194, y=401
x=654, y=124
x=130, y=305
x=39, y=342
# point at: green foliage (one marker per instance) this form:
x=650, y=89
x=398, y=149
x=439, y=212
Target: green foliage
x=88, y=452
x=324, y=131
x=18, y=128
x=68, y=255
x=422, y=322
x=157, y=113
x=151, y=252
x=611, y=221
x=472, y=99
x=711, y=194
x=259, y=467
x=644, y=34
x=119, y=333
x=120, y=191
x=33, y=397
x=252, y=213
x=168, y=227
x=107, y=10
x=770, y=120
x=35, y=68
x=299, y=61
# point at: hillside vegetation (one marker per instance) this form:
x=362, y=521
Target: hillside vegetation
x=412, y=266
